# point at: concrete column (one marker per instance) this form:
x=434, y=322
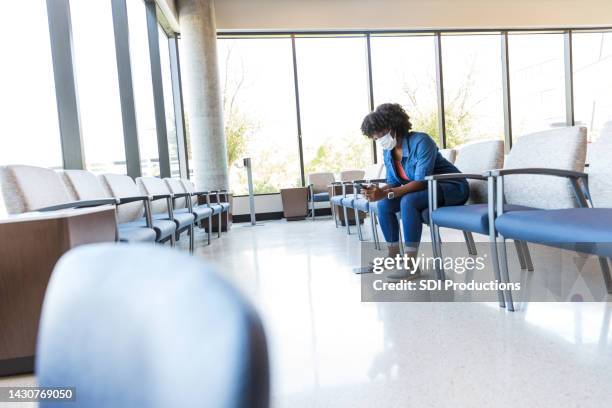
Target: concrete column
x=203, y=106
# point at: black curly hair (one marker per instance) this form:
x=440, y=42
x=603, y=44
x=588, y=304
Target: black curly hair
x=388, y=116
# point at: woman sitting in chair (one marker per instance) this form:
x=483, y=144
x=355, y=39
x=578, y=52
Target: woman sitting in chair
x=409, y=157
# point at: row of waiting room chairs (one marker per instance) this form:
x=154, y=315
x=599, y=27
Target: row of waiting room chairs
x=539, y=192
x=148, y=209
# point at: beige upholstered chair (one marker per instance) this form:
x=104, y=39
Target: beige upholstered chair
x=449, y=154
x=217, y=207
x=183, y=204
x=350, y=175
x=476, y=158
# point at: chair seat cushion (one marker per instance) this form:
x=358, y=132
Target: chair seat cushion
x=163, y=228
x=181, y=220
x=361, y=204
x=128, y=233
x=200, y=212
x=473, y=218
x=374, y=207
x=225, y=206
x=216, y=208
x=347, y=201
x=584, y=229
x=320, y=197
x=337, y=200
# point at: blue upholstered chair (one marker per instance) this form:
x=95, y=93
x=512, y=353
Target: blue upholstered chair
x=584, y=229
x=142, y=326
x=353, y=199
x=162, y=207
x=317, y=189
x=563, y=148
x=220, y=207
x=182, y=203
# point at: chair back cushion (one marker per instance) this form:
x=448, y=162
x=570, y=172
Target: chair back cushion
x=154, y=186
x=350, y=175
x=145, y=326
x=176, y=187
x=449, y=154
x=372, y=172
x=121, y=186
x=600, y=168
x=190, y=188
x=563, y=148
x=27, y=188
x=320, y=181
x=83, y=185
x=477, y=158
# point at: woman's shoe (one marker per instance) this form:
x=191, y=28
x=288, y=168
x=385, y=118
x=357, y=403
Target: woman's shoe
x=403, y=274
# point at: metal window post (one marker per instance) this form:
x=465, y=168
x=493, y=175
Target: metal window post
x=370, y=89
x=505, y=62
x=158, y=89
x=60, y=34
x=126, y=89
x=297, y=109
x=440, y=90
x=569, y=78
x=179, y=112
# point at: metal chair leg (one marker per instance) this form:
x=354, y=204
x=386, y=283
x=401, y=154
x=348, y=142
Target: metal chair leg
x=191, y=238
x=209, y=228
x=505, y=276
x=172, y=240
x=469, y=242
x=335, y=214
x=359, y=233
x=312, y=208
x=440, y=272
x=346, y=220
x=527, y=256
x=605, y=270
x=496, y=273
x=519, y=253
x=373, y=226
x=219, y=225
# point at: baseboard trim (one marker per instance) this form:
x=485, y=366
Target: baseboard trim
x=16, y=366
x=278, y=215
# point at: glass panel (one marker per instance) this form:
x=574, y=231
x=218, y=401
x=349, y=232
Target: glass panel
x=164, y=52
x=30, y=127
x=332, y=75
x=259, y=112
x=537, y=82
x=473, y=100
x=143, y=88
x=98, y=86
x=397, y=78
x=592, y=54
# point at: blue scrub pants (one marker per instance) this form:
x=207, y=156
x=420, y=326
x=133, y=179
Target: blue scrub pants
x=410, y=206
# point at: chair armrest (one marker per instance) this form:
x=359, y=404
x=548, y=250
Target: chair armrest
x=160, y=196
x=377, y=180
x=451, y=176
x=536, y=171
x=127, y=200
x=181, y=195
x=79, y=204
x=200, y=193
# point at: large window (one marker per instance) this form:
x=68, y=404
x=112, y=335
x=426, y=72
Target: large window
x=143, y=88
x=473, y=101
x=29, y=133
x=333, y=89
x=592, y=54
x=404, y=72
x=164, y=52
x=537, y=85
x=98, y=86
x=258, y=94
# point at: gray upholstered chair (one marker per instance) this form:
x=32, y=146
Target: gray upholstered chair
x=31, y=188
x=583, y=229
x=449, y=154
x=142, y=326
x=162, y=207
x=84, y=185
x=317, y=189
x=562, y=148
x=183, y=204
x=217, y=208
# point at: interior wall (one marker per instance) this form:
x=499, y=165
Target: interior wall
x=409, y=14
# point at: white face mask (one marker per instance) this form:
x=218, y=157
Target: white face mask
x=387, y=142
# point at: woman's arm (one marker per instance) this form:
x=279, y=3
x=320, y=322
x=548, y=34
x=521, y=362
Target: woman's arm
x=410, y=187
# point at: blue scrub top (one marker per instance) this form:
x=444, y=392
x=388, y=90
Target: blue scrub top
x=421, y=158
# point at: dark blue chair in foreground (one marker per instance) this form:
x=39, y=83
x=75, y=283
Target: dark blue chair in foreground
x=558, y=148
x=139, y=326
x=584, y=229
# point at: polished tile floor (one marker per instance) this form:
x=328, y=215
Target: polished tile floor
x=329, y=349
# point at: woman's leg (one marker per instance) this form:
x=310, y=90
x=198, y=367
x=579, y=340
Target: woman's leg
x=412, y=204
x=388, y=220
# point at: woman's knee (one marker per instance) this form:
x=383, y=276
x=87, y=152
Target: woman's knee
x=411, y=200
x=384, y=206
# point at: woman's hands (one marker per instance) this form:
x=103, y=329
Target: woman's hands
x=375, y=193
